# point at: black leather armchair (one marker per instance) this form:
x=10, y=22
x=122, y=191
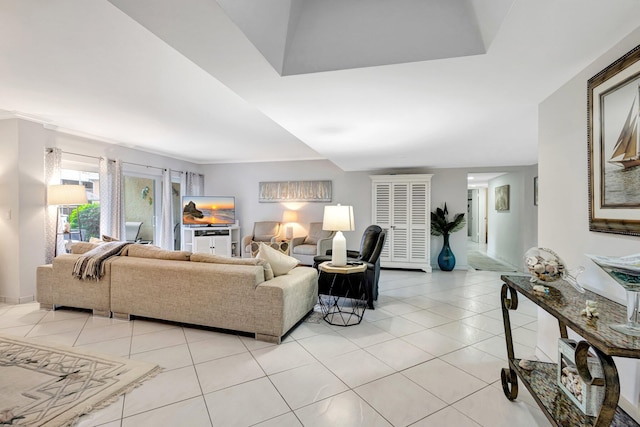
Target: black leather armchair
x=369, y=254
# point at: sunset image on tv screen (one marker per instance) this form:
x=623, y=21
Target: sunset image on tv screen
x=208, y=210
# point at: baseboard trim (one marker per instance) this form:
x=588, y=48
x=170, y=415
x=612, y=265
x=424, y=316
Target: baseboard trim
x=14, y=301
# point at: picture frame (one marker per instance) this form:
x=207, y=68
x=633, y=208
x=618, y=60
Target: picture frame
x=294, y=191
x=502, y=198
x=535, y=191
x=613, y=110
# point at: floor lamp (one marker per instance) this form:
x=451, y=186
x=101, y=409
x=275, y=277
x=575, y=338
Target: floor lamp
x=66, y=195
x=338, y=218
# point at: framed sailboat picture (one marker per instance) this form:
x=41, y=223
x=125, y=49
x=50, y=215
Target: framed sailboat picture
x=614, y=146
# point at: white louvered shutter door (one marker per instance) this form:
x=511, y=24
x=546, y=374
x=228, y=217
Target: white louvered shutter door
x=400, y=222
x=382, y=214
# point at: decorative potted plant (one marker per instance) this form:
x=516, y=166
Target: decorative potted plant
x=440, y=226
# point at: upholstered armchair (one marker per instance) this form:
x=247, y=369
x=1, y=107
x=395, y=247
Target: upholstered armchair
x=370, y=248
x=263, y=231
x=317, y=242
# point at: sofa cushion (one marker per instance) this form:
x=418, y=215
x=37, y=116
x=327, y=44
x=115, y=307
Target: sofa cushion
x=151, y=251
x=83, y=247
x=316, y=233
x=217, y=259
x=280, y=263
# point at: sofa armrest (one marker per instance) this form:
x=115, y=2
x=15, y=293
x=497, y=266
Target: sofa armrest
x=295, y=242
x=281, y=302
x=353, y=254
x=246, y=241
x=324, y=245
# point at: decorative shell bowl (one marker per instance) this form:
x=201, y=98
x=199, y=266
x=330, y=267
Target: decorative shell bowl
x=544, y=265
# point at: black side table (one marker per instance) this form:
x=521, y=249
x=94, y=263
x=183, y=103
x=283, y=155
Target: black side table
x=342, y=293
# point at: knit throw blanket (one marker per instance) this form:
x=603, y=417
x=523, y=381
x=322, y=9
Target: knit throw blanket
x=90, y=265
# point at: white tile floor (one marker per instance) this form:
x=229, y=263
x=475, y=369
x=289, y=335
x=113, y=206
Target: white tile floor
x=430, y=354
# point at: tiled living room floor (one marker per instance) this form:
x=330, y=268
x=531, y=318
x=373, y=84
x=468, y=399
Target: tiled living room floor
x=430, y=354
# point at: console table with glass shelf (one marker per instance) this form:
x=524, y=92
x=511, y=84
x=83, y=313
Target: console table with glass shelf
x=566, y=304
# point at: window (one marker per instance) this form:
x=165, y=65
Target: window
x=83, y=220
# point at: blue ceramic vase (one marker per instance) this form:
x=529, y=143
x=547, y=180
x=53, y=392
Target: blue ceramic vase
x=446, y=259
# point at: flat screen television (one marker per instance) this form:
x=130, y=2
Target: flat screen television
x=208, y=210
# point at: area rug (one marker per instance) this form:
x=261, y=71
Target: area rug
x=480, y=261
x=54, y=385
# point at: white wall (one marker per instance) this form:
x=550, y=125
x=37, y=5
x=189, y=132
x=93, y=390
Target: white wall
x=9, y=205
x=514, y=231
x=563, y=204
x=23, y=194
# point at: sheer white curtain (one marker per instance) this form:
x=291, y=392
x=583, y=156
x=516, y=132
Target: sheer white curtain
x=166, y=219
x=52, y=166
x=111, y=198
x=192, y=184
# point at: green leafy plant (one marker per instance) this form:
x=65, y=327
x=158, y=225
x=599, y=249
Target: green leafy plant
x=89, y=219
x=440, y=224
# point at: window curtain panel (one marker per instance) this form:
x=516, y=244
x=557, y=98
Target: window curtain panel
x=111, y=199
x=192, y=184
x=52, y=166
x=166, y=219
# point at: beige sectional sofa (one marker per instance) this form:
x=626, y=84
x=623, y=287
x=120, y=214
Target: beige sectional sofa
x=203, y=291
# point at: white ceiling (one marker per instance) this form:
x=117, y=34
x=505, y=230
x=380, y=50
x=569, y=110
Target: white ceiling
x=181, y=78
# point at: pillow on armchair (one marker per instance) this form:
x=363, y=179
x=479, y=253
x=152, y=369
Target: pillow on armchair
x=263, y=231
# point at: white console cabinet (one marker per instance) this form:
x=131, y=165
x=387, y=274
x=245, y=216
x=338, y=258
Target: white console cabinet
x=223, y=241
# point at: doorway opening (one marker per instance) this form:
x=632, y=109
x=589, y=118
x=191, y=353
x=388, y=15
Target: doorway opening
x=478, y=227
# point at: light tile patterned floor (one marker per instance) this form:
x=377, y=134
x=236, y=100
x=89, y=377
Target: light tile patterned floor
x=429, y=355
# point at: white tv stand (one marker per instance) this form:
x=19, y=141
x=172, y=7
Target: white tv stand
x=223, y=241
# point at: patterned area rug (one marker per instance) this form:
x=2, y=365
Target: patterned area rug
x=53, y=386
x=480, y=261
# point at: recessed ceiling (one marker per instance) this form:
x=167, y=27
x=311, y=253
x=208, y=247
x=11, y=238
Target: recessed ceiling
x=307, y=36
x=185, y=78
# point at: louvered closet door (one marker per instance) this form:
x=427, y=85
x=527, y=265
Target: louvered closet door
x=382, y=214
x=420, y=222
x=401, y=206
x=400, y=214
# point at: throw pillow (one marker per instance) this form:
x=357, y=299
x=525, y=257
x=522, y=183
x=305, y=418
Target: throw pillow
x=106, y=238
x=95, y=240
x=268, y=271
x=280, y=263
x=150, y=251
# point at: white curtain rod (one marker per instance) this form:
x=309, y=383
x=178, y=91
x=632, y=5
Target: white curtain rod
x=128, y=163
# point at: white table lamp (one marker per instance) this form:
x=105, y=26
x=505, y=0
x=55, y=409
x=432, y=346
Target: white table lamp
x=338, y=218
x=289, y=217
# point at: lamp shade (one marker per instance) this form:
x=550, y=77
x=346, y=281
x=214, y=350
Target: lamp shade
x=289, y=216
x=338, y=218
x=61, y=194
